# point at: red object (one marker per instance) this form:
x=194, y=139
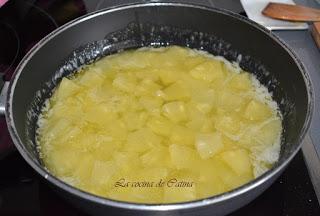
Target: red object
x=2, y=2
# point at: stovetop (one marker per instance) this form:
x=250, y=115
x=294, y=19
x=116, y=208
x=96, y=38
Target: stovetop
x=23, y=192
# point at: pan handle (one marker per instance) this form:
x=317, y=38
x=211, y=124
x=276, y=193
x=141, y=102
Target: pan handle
x=3, y=97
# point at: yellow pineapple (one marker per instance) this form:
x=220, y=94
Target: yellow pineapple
x=175, y=111
x=208, y=145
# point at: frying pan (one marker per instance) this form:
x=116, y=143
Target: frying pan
x=217, y=31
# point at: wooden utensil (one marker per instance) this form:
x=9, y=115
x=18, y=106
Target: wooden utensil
x=291, y=12
x=295, y=13
x=315, y=31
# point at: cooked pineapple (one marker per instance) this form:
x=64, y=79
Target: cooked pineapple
x=175, y=111
x=208, y=145
x=176, y=91
x=256, y=110
x=172, y=124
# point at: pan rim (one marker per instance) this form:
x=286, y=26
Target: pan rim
x=155, y=207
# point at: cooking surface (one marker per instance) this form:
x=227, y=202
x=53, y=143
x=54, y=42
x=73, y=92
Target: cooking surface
x=22, y=192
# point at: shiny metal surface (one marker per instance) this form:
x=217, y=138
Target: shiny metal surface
x=3, y=97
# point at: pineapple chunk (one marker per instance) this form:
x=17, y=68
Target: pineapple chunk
x=67, y=88
x=207, y=71
x=105, y=149
x=256, y=111
x=210, y=186
x=64, y=161
x=100, y=115
x=83, y=170
x=183, y=157
x=160, y=125
x=268, y=132
x=102, y=172
x=127, y=161
x=156, y=156
x=182, y=135
x=240, y=82
x=168, y=75
x=150, y=103
x=230, y=102
x=142, y=140
x=228, y=176
x=125, y=82
x=58, y=128
x=146, y=87
x=176, y=91
x=90, y=79
x=117, y=130
x=208, y=145
x=229, y=126
x=238, y=160
x=175, y=111
x=134, y=120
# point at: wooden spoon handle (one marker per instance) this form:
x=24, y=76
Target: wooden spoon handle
x=315, y=31
x=291, y=12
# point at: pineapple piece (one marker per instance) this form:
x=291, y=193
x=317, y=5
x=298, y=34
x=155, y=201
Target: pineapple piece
x=84, y=168
x=204, y=95
x=146, y=87
x=208, y=176
x=168, y=75
x=134, y=120
x=156, y=156
x=91, y=78
x=117, y=130
x=142, y=140
x=240, y=82
x=63, y=162
x=175, y=111
x=230, y=179
x=67, y=88
x=230, y=126
x=127, y=161
x=257, y=111
x=58, y=128
x=148, y=74
x=102, y=172
x=182, y=135
x=230, y=102
x=268, y=132
x=125, y=82
x=160, y=125
x=150, y=103
x=193, y=60
x=70, y=135
x=100, y=114
x=106, y=149
x=207, y=71
x=197, y=117
x=183, y=157
x=239, y=161
x=208, y=145
x=176, y=91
